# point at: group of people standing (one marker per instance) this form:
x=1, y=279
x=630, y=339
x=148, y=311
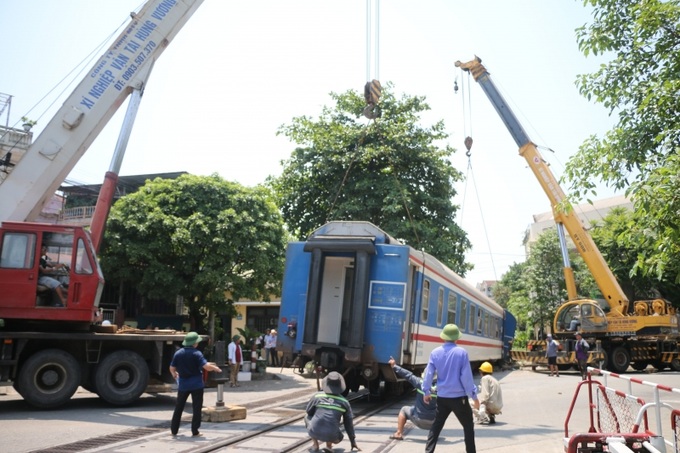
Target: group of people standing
x=581, y=348
x=453, y=392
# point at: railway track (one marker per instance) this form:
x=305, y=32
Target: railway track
x=281, y=428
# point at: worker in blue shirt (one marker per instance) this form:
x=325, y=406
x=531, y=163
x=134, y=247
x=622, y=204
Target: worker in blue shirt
x=455, y=388
x=420, y=414
x=187, y=368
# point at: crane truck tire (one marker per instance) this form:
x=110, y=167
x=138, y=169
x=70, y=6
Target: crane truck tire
x=619, y=360
x=675, y=364
x=659, y=365
x=640, y=365
x=121, y=377
x=49, y=378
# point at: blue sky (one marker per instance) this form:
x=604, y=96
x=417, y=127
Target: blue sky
x=240, y=69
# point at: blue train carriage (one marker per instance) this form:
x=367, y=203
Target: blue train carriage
x=487, y=328
x=353, y=296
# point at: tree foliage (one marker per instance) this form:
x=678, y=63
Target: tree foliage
x=533, y=290
x=198, y=237
x=511, y=293
x=641, y=84
x=545, y=278
x=621, y=240
x=390, y=172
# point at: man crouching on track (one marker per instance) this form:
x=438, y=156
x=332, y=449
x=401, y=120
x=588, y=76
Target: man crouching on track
x=324, y=411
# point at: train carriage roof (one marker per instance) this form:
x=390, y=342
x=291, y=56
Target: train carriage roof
x=354, y=230
x=362, y=235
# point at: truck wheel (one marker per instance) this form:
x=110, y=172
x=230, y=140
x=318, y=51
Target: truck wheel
x=659, y=365
x=675, y=364
x=49, y=378
x=121, y=377
x=640, y=366
x=619, y=360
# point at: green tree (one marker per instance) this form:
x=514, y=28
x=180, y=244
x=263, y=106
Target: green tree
x=511, y=293
x=206, y=239
x=390, y=172
x=545, y=279
x=620, y=239
x=640, y=83
x=534, y=289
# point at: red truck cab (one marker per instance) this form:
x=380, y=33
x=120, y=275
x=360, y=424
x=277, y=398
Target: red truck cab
x=22, y=298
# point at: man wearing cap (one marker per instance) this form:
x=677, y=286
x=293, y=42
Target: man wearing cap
x=581, y=351
x=455, y=388
x=186, y=368
x=235, y=357
x=324, y=411
x=490, y=396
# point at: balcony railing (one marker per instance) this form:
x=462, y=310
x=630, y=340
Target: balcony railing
x=78, y=214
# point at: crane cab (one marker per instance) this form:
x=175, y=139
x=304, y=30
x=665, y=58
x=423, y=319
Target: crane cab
x=80, y=277
x=581, y=315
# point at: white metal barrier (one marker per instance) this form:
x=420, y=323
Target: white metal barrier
x=618, y=419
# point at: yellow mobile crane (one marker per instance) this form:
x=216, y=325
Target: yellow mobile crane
x=638, y=335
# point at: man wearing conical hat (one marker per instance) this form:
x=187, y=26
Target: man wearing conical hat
x=455, y=388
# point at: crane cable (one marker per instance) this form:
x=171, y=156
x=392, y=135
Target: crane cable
x=372, y=111
x=469, y=175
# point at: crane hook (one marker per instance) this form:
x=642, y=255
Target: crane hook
x=468, y=145
x=372, y=92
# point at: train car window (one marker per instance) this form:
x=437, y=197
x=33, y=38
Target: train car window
x=440, y=306
x=479, y=322
x=463, y=315
x=451, y=317
x=425, y=302
x=498, y=328
x=487, y=331
x=471, y=323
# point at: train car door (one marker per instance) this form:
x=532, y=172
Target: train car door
x=338, y=275
x=409, y=313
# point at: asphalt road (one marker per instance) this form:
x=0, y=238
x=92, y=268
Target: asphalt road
x=533, y=419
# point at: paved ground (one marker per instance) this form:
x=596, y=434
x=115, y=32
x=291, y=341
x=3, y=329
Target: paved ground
x=533, y=418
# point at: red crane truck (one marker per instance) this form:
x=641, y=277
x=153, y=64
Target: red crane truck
x=49, y=348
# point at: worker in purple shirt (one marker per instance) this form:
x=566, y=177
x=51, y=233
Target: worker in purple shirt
x=455, y=388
